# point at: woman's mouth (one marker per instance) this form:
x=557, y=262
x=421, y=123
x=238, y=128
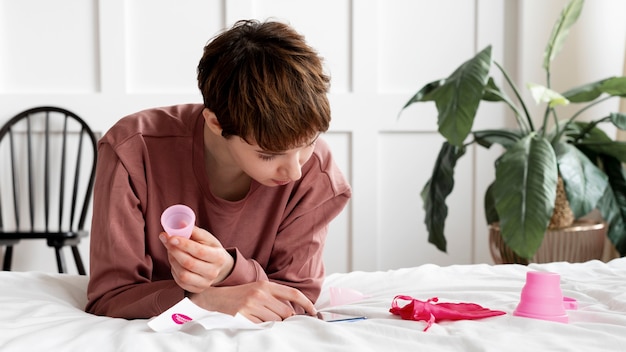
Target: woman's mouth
x=281, y=182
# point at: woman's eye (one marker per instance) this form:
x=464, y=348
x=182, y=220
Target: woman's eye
x=266, y=157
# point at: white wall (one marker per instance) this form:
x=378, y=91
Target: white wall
x=105, y=59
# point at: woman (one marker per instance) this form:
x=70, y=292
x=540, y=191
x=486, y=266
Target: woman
x=249, y=162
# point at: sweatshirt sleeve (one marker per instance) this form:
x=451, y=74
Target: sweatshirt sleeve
x=121, y=282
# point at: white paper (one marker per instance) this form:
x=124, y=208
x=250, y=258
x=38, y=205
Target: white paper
x=186, y=312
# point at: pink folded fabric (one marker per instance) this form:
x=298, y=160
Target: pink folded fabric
x=432, y=312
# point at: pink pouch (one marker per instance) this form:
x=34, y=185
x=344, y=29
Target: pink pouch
x=432, y=312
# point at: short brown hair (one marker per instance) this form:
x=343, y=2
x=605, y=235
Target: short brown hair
x=264, y=83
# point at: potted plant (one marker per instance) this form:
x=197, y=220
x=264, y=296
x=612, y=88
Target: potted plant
x=522, y=197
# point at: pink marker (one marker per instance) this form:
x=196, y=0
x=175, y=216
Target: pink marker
x=178, y=220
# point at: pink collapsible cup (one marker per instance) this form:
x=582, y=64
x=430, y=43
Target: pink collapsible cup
x=178, y=220
x=542, y=298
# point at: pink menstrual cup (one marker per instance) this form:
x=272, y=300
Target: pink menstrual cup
x=542, y=298
x=178, y=220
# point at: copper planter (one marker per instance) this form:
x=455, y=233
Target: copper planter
x=581, y=242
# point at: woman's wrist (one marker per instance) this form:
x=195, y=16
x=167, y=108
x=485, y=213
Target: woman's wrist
x=227, y=268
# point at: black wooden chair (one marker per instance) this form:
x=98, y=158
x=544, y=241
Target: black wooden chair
x=47, y=170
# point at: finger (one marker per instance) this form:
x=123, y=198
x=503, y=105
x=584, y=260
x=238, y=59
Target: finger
x=258, y=302
x=307, y=305
x=186, y=270
x=182, y=276
x=188, y=281
x=188, y=288
x=213, y=263
x=202, y=245
x=294, y=296
x=191, y=270
x=198, y=235
x=190, y=253
x=204, y=236
x=262, y=314
x=164, y=237
x=276, y=302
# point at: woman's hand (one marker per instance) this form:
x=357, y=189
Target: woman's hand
x=199, y=262
x=258, y=301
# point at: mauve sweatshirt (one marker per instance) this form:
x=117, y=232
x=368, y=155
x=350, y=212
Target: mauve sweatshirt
x=155, y=158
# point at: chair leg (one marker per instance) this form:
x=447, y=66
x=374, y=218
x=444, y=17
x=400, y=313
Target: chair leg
x=8, y=257
x=60, y=260
x=78, y=260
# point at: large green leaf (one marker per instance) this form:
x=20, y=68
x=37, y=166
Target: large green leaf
x=568, y=17
x=614, y=86
x=524, y=192
x=584, y=93
x=585, y=184
x=618, y=119
x=617, y=180
x=457, y=99
x=493, y=93
x=436, y=191
x=610, y=211
x=597, y=141
x=491, y=214
x=506, y=138
x=424, y=94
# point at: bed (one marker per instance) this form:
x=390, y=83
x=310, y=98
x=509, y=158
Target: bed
x=43, y=312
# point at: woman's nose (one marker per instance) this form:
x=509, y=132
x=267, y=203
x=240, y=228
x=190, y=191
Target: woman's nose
x=292, y=168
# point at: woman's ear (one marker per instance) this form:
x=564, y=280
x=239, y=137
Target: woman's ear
x=211, y=121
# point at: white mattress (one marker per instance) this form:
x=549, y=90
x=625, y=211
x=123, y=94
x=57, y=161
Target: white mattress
x=44, y=312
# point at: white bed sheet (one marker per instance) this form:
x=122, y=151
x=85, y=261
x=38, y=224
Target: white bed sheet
x=44, y=312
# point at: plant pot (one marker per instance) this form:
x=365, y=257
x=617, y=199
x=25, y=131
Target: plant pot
x=581, y=242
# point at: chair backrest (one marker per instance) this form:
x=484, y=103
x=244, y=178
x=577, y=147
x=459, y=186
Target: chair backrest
x=47, y=170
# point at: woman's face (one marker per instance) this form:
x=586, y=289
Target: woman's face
x=270, y=168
